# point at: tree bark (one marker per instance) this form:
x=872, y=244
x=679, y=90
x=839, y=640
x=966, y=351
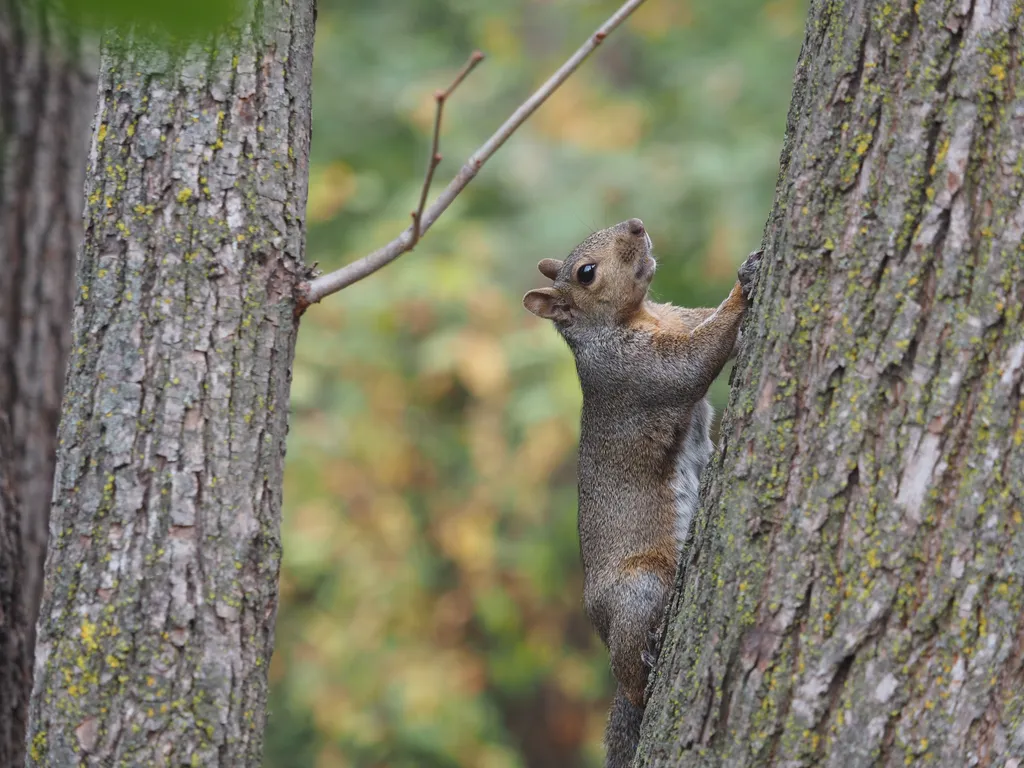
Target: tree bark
x=46, y=102
x=14, y=681
x=158, y=611
x=853, y=592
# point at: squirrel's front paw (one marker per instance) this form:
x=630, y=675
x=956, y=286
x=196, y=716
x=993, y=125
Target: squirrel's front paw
x=747, y=272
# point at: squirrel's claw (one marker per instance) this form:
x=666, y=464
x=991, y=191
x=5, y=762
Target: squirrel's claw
x=649, y=656
x=747, y=273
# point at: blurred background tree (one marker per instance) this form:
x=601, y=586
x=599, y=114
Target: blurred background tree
x=431, y=597
x=47, y=99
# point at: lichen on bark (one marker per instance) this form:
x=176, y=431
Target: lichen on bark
x=157, y=623
x=853, y=591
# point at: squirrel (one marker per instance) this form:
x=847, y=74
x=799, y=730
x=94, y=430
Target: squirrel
x=644, y=369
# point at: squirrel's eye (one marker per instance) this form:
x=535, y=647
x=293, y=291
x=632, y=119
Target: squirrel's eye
x=586, y=274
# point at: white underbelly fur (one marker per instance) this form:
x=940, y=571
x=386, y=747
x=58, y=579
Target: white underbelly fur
x=693, y=457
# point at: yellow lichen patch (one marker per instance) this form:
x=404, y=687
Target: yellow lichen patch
x=38, y=746
x=88, y=632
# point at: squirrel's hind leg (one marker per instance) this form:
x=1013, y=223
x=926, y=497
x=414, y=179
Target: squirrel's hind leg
x=639, y=600
x=623, y=732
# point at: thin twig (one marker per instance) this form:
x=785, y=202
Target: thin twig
x=314, y=291
x=435, y=156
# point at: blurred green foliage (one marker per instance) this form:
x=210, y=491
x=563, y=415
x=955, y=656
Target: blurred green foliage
x=168, y=23
x=431, y=596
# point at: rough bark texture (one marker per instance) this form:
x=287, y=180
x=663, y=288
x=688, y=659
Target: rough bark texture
x=14, y=682
x=157, y=622
x=47, y=95
x=853, y=593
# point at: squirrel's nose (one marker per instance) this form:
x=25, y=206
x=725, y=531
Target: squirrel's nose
x=636, y=227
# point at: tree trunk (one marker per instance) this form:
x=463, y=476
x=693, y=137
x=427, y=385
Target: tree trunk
x=853, y=593
x=46, y=103
x=157, y=621
x=14, y=682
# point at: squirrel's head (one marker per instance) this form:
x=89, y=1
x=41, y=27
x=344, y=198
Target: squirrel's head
x=602, y=282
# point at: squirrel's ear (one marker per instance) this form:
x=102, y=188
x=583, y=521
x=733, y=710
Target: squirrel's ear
x=549, y=268
x=547, y=303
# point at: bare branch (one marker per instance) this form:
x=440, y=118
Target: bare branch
x=435, y=155
x=325, y=285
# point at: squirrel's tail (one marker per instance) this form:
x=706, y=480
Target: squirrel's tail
x=623, y=732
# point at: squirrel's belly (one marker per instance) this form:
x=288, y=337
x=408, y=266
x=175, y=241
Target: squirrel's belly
x=690, y=462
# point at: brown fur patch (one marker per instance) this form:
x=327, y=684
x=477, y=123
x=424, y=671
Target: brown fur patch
x=644, y=319
x=667, y=318
x=661, y=318
x=660, y=561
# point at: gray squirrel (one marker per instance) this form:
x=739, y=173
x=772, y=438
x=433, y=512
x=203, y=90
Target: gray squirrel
x=644, y=369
